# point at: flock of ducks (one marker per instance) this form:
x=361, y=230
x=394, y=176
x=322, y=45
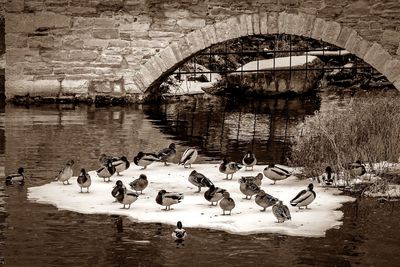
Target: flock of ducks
x=249, y=185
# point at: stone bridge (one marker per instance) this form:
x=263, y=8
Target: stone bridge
x=121, y=48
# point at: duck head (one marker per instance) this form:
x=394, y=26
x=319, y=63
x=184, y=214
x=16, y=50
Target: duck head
x=310, y=187
x=193, y=172
x=259, y=176
x=118, y=183
x=20, y=170
x=143, y=176
x=328, y=169
x=225, y=161
x=261, y=193
x=226, y=194
x=358, y=162
x=140, y=154
x=172, y=146
x=83, y=171
x=179, y=225
x=249, y=153
x=162, y=192
x=124, y=158
x=70, y=162
x=271, y=165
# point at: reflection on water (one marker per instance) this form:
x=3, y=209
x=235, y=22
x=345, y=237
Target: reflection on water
x=42, y=138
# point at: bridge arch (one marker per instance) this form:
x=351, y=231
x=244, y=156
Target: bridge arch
x=166, y=61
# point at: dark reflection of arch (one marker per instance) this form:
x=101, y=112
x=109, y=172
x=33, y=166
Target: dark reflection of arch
x=219, y=126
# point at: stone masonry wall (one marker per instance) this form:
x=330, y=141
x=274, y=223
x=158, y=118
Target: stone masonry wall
x=86, y=48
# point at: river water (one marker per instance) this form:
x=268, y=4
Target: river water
x=42, y=138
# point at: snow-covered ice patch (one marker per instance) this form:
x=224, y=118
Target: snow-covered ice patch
x=194, y=210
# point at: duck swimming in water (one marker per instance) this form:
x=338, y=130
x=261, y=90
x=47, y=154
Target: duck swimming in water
x=214, y=194
x=179, y=233
x=248, y=188
x=106, y=171
x=227, y=203
x=84, y=180
x=276, y=173
x=357, y=168
x=144, y=159
x=66, y=173
x=253, y=179
x=265, y=200
x=188, y=157
x=281, y=212
x=304, y=198
x=126, y=197
x=167, y=199
x=167, y=154
x=139, y=184
x=229, y=168
x=249, y=160
x=121, y=165
x=17, y=177
x=199, y=180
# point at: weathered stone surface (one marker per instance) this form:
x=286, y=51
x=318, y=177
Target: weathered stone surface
x=22, y=23
x=51, y=20
x=307, y=25
x=256, y=24
x=331, y=32
x=103, y=23
x=14, y=5
x=357, y=45
x=191, y=23
x=105, y=33
x=343, y=36
x=318, y=30
x=391, y=68
x=283, y=22
x=79, y=55
x=264, y=23
x=273, y=24
x=41, y=41
x=16, y=40
x=73, y=42
x=73, y=87
x=377, y=56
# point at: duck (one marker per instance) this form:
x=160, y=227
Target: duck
x=249, y=160
x=167, y=154
x=179, y=233
x=357, y=168
x=106, y=171
x=214, y=194
x=126, y=197
x=265, y=200
x=188, y=157
x=253, y=179
x=248, y=188
x=199, y=180
x=121, y=164
x=304, y=197
x=66, y=173
x=104, y=159
x=281, y=212
x=227, y=203
x=276, y=173
x=84, y=180
x=139, y=184
x=144, y=159
x=167, y=199
x=328, y=178
x=117, y=186
x=229, y=168
x=16, y=177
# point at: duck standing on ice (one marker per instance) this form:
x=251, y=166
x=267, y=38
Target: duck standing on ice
x=126, y=197
x=253, y=179
x=106, y=171
x=304, y=198
x=66, y=173
x=227, y=203
x=281, y=212
x=167, y=199
x=188, y=157
x=276, y=173
x=144, y=159
x=121, y=165
x=214, y=194
x=248, y=188
x=199, y=180
x=167, y=154
x=84, y=180
x=229, y=168
x=249, y=160
x=139, y=184
x=265, y=200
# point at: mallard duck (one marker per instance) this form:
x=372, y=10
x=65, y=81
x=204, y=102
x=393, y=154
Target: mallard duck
x=227, y=203
x=126, y=197
x=188, y=157
x=357, y=168
x=167, y=154
x=253, y=179
x=16, y=177
x=229, y=168
x=139, y=184
x=84, y=180
x=281, y=212
x=104, y=159
x=328, y=178
x=106, y=171
x=214, y=194
x=167, y=199
x=249, y=160
x=179, y=233
x=276, y=173
x=66, y=173
x=117, y=186
x=304, y=198
x=199, y=180
x=248, y=188
x=265, y=200
x=121, y=164
x=144, y=159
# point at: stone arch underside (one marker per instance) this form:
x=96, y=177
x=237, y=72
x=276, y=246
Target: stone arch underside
x=166, y=61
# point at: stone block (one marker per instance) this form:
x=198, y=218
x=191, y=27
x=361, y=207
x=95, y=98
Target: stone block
x=184, y=48
x=377, y=56
x=283, y=22
x=103, y=23
x=73, y=42
x=331, y=32
x=256, y=23
x=344, y=35
x=60, y=55
x=148, y=77
x=82, y=22
x=17, y=55
x=105, y=33
x=95, y=44
x=153, y=68
x=222, y=30
x=72, y=87
x=119, y=43
x=164, y=34
x=391, y=69
x=167, y=56
x=176, y=13
x=264, y=23
x=111, y=59
x=209, y=30
x=14, y=6
x=45, y=88
x=249, y=24
x=83, y=55
x=294, y=24
x=41, y=42
x=357, y=45
x=243, y=25
x=390, y=38
x=160, y=63
x=51, y=20
x=308, y=24
x=273, y=23
x=232, y=25
x=16, y=40
x=191, y=23
x=318, y=30
x=137, y=78
x=195, y=41
x=19, y=23
x=397, y=84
